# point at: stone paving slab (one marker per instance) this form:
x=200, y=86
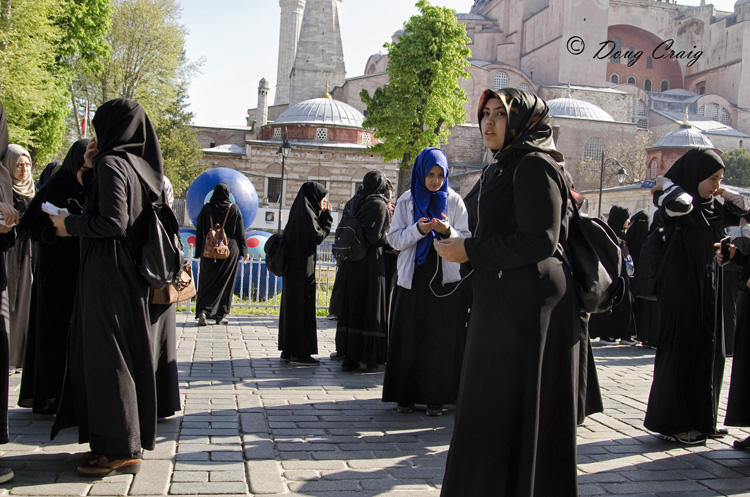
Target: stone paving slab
x=252, y=425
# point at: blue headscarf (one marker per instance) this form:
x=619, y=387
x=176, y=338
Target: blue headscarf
x=426, y=203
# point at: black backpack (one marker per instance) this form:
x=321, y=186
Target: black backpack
x=592, y=253
x=349, y=244
x=275, y=249
x=651, y=264
x=161, y=251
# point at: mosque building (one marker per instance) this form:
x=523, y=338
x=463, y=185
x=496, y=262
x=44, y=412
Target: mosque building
x=614, y=72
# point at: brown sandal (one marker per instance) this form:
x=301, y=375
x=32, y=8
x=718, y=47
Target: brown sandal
x=104, y=467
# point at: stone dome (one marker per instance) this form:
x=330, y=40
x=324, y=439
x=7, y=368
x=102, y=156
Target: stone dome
x=322, y=110
x=578, y=109
x=685, y=137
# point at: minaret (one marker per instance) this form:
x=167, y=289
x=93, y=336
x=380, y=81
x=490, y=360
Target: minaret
x=263, y=102
x=320, y=53
x=291, y=20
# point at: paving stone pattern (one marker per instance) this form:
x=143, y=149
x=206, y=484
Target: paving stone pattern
x=252, y=425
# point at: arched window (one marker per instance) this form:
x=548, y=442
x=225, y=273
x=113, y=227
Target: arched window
x=593, y=149
x=501, y=80
x=649, y=62
x=524, y=87
x=631, y=80
x=277, y=133
x=724, y=117
x=664, y=85
x=654, y=167
x=615, y=79
x=640, y=108
x=647, y=85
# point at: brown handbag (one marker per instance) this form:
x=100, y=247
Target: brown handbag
x=182, y=289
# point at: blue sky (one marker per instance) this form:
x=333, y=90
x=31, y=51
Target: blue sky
x=238, y=41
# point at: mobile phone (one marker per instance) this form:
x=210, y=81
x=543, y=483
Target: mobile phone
x=724, y=248
x=648, y=184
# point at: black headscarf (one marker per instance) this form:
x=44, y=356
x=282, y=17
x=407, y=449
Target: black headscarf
x=528, y=128
x=636, y=234
x=6, y=183
x=374, y=183
x=123, y=129
x=220, y=198
x=616, y=220
x=74, y=159
x=49, y=170
x=303, y=224
x=696, y=165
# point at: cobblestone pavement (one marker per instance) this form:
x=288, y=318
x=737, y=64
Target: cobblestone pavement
x=252, y=425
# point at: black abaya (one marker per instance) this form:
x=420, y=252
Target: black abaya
x=55, y=278
x=6, y=241
x=109, y=391
x=307, y=227
x=216, y=277
x=19, y=289
x=362, y=321
x=515, y=428
x=738, y=401
x=689, y=363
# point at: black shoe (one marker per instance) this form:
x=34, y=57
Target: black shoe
x=202, y=319
x=349, y=365
x=742, y=444
x=221, y=321
x=434, y=410
x=687, y=438
x=405, y=408
x=286, y=357
x=335, y=356
x=718, y=433
x=305, y=361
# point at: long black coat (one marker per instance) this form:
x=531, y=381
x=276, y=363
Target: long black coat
x=362, y=319
x=738, y=402
x=110, y=392
x=515, y=429
x=217, y=276
x=307, y=227
x=54, y=288
x=689, y=362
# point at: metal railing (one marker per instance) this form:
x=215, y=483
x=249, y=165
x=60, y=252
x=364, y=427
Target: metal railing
x=255, y=287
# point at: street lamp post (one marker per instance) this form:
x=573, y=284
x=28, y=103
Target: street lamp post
x=621, y=175
x=284, y=150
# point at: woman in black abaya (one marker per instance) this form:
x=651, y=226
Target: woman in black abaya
x=7, y=238
x=309, y=223
x=635, y=235
x=216, y=276
x=18, y=162
x=54, y=286
x=109, y=392
x=362, y=325
x=689, y=364
x=515, y=429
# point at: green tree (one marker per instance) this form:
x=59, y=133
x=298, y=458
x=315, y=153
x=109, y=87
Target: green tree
x=179, y=146
x=147, y=64
x=422, y=99
x=737, y=172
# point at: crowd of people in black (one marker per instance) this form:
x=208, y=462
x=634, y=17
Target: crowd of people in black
x=466, y=301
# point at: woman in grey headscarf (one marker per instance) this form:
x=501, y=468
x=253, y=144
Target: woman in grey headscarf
x=18, y=163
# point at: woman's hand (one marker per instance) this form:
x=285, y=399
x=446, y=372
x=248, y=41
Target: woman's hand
x=452, y=249
x=720, y=258
x=424, y=225
x=659, y=186
x=10, y=216
x=91, y=150
x=59, y=222
x=441, y=226
x=325, y=204
x=245, y=258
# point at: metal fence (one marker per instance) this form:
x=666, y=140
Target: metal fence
x=257, y=288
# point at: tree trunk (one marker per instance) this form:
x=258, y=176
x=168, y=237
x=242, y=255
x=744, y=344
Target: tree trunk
x=75, y=111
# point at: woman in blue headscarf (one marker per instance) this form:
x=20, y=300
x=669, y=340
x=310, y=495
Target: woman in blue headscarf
x=428, y=325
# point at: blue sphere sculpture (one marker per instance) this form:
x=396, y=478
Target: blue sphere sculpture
x=241, y=192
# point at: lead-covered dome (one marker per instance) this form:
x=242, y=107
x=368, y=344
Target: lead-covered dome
x=322, y=110
x=577, y=109
x=685, y=137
